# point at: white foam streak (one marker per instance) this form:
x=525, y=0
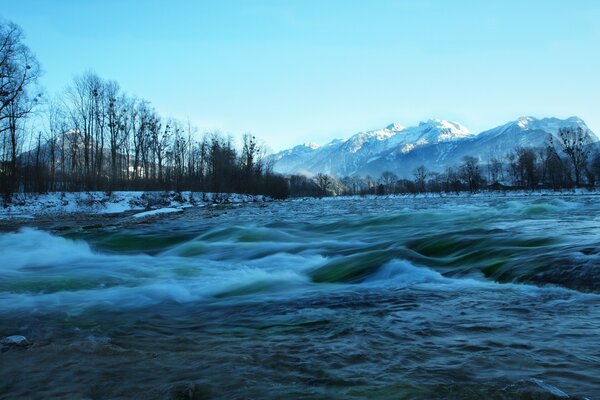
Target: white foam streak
x=40, y=271
x=30, y=247
x=43, y=271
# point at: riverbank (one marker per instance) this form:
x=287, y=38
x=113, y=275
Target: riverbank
x=480, y=194
x=30, y=206
x=78, y=204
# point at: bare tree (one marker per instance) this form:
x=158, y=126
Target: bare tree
x=452, y=183
x=250, y=150
x=526, y=166
x=595, y=166
x=324, y=182
x=389, y=180
x=19, y=71
x=420, y=174
x=470, y=173
x=494, y=170
x=574, y=143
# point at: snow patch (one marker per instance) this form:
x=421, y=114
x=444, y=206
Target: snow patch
x=53, y=204
x=395, y=127
x=407, y=148
x=151, y=213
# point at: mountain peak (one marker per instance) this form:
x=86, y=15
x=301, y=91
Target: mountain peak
x=394, y=126
x=311, y=145
x=445, y=130
x=550, y=124
x=576, y=120
x=440, y=123
x=433, y=121
x=523, y=122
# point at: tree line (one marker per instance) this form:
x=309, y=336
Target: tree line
x=96, y=137
x=567, y=161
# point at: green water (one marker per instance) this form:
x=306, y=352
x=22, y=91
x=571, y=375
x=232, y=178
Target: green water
x=451, y=298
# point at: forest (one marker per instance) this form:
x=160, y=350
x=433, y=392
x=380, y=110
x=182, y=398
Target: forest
x=96, y=137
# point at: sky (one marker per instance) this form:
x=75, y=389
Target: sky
x=310, y=71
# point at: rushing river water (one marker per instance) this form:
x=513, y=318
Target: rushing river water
x=367, y=298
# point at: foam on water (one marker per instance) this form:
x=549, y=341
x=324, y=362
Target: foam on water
x=30, y=248
x=356, y=299
x=43, y=271
x=403, y=274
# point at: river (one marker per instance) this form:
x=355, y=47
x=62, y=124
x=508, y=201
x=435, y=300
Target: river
x=379, y=298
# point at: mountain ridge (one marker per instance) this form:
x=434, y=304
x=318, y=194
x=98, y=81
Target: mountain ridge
x=436, y=143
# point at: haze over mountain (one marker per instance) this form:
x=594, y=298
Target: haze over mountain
x=435, y=143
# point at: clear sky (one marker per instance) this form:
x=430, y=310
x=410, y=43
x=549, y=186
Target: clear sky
x=297, y=71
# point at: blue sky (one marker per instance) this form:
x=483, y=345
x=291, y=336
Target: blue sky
x=297, y=71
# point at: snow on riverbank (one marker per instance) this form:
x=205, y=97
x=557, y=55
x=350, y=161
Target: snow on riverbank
x=33, y=205
x=151, y=213
x=28, y=206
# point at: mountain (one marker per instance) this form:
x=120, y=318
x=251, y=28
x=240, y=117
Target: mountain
x=436, y=143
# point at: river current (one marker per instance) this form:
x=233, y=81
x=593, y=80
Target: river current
x=379, y=298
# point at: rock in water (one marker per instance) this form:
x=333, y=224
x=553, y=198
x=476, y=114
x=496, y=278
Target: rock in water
x=15, y=340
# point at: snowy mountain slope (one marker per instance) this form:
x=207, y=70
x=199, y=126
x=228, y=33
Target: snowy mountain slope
x=304, y=158
x=349, y=157
x=436, y=144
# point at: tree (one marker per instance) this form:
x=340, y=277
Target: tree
x=512, y=167
x=470, y=173
x=574, y=141
x=300, y=185
x=420, y=174
x=526, y=164
x=389, y=179
x=595, y=166
x=452, y=183
x=494, y=170
x=248, y=160
x=324, y=182
x=19, y=71
x=553, y=169
x=434, y=183
x=116, y=124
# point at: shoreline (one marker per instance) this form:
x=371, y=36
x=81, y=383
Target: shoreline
x=147, y=204
x=29, y=207
x=484, y=194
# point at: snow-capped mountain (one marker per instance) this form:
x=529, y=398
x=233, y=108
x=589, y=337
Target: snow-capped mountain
x=436, y=143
